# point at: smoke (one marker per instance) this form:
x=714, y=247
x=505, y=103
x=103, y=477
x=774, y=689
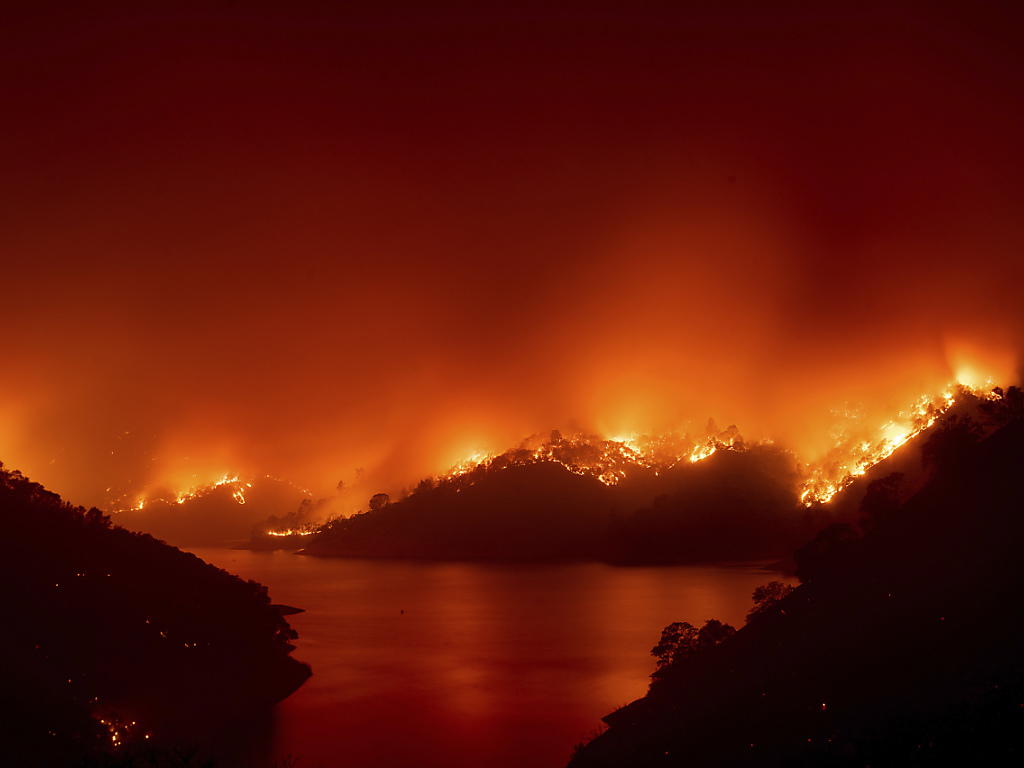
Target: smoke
x=305, y=245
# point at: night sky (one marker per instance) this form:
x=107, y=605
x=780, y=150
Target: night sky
x=299, y=239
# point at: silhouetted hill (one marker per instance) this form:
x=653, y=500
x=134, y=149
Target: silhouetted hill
x=901, y=648
x=102, y=624
x=214, y=516
x=534, y=511
x=735, y=504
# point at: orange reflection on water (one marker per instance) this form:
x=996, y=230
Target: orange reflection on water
x=459, y=664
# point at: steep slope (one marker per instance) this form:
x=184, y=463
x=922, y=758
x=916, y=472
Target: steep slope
x=903, y=648
x=110, y=628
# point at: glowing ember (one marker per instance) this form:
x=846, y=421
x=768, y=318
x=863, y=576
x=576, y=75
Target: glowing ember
x=237, y=486
x=856, y=448
x=119, y=729
x=607, y=460
x=611, y=461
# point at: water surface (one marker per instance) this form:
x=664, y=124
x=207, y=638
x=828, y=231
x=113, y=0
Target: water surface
x=460, y=664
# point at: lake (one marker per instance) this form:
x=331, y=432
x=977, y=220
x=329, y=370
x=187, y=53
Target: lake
x=466, y=664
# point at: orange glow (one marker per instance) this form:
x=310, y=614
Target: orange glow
x=981, y=362
x=856, y=447
x=237, y=486
x=340, y=246
x=607, y=460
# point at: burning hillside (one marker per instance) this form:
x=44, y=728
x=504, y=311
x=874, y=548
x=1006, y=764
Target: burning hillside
x=857, y=446
x=635, y=468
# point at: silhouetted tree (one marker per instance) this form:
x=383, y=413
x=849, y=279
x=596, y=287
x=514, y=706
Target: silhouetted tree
x=681, y=639
x=96, y=517
x=713, y=632
x=951, y=442
x=1003, y=407
x=379, y=501
x=678, y=640
x=766, y=596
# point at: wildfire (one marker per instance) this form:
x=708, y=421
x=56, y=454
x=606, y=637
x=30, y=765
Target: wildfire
x=296, y=531
x=856, y=448
x=703, y=451
x=237, y=486
x=470, y=463
x=610, y=461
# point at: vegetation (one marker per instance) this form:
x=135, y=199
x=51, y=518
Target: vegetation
x=900, y=647
x=952, y=443
x=1003, y=407
x=766, y=597
x=737, y=504
x=118, y=639
x=681, y=640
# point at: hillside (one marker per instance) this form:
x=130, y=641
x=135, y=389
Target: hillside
x=902, y=646
x=116, y=639
x=543, y=510
x=213, y=516
x=637, y=501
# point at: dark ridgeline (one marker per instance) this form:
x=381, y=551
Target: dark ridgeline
x=211, y=517
x=737, y=504
x=903, y=646
x=740, y=503
x=105, y=628
x=535, y=511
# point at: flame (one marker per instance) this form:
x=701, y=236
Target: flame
x=852, y=455
x=608, y=460
x=238, y=489
x=470, y=463
x=703, y=451
x=856, y=448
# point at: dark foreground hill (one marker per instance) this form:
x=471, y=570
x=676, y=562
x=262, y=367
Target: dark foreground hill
x=904, y=646
x=113, y=640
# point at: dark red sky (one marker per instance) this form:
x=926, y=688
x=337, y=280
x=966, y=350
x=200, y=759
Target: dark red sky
x=301, y=238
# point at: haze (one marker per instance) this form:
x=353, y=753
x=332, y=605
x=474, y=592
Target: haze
x=304, y=241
